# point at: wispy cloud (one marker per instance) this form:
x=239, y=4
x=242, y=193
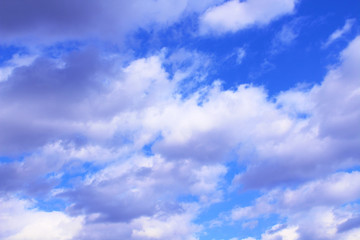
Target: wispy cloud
x=339, y=32
x=287, y=35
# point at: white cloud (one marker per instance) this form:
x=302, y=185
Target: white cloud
x=322, y=209
x=335, y=190
x=161, y=226
x=234, y=15
x=332, y=114
x=340, y=32
x=287, y=35
x=281, y=232
x=20, y=221
x=240, y=54
x=206, y=184
x=177, y=226
x=316, y=223
x=191, y=137
x=324, y=222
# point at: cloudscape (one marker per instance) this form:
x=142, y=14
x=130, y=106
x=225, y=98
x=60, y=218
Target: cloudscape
x=179, y=120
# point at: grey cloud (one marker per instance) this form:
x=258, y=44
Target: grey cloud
x=349, y=224
x=304, y=163
x=22, y=18
x=29, y=175
x=44, y=79
x=127, y=191
x=113, y=206
x=48, y=21
x=105, y=231
x=211, y=146
x=123, y=198
x=40, y=102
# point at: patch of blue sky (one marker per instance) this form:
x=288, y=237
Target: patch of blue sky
x=59, y=49
x=75, y=172
x=8, y=51
x=260, y=66
x=240, y=229
x=231, y=199
x=51, y=204
x=187, y=198
x=147, y=148
x=355, y=168
x=8, y=158
x=217, y=220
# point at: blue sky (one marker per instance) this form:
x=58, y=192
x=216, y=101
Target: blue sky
x=179, y=119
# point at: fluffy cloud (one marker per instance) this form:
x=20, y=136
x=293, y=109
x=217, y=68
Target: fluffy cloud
x=143, y=186
x=235, y=15
x=335, y=190
x=161, y=226
x=150, y=143
x=19, y=220
x=281, y=232
x=324, y=132
x=317, y=223
x=320, y=209
x=178, y=226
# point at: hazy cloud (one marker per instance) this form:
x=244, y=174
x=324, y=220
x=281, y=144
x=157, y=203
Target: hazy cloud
x=339, y=32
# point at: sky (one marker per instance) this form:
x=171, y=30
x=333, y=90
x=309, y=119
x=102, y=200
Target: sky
x=180, y=120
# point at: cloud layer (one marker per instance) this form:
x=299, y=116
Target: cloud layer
x=98, y=145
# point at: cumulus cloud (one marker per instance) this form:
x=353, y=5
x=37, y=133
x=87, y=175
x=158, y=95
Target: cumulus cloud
x=20, y=220
x=163, y=225
x=143, y=186
x=281, y=232
x=317, y=223
x=177, y=226
x=236, y=15
x=322, y=133
x=99, y=111
x=314, y=210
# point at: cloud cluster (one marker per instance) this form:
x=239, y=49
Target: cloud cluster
x=314, y=210
x=137, y=149
x=327, y=203
x=190, y=137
